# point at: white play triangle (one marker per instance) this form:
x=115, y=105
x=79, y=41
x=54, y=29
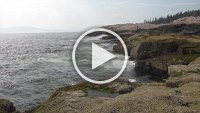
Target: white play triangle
x=100, y=56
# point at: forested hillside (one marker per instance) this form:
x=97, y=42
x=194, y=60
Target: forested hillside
x=171, y=18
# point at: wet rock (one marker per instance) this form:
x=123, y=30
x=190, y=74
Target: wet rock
x=7, y=107
x=156, y=68
x=142, y=66
x=118, y=48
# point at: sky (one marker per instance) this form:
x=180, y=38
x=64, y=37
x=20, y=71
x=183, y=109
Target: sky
x=76, y=15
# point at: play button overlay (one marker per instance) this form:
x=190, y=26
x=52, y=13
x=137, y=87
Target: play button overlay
x=100, y=56
x=93, y=58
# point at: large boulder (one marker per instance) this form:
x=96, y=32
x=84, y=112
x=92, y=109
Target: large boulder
x=7, y=106
x=124, y=89
x=181, y=80
x=179, y=70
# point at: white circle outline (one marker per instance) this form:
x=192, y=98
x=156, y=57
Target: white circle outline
x=96, y=81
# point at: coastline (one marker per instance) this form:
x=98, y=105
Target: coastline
x=172, y=57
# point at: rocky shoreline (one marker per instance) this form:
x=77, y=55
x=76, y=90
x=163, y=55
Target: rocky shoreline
x=179, y=94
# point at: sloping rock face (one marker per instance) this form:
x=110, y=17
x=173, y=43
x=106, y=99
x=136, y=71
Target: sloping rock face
x=74, y=99
x=69, y=102
x=152, y=49
x=7, y=107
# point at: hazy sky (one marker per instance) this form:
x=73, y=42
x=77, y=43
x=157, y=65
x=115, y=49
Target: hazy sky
x=72, y=15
